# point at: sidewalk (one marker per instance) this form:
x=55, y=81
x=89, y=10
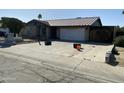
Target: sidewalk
x=94, y=69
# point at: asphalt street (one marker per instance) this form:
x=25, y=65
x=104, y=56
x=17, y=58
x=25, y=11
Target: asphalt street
x=14, y=70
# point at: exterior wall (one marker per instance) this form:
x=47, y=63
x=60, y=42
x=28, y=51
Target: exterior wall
x=86, y=34
x=34, y=31
x=29, y=31
x=58, y=33
x=74, y=34
x=97, y=23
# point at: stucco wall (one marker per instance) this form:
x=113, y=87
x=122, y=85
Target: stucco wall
x=29, y=31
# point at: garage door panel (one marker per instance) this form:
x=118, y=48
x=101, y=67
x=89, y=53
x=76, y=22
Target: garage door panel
x=72, y=34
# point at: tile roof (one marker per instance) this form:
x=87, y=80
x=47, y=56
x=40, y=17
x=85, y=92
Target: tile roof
x=87, y=21
x=39, y=22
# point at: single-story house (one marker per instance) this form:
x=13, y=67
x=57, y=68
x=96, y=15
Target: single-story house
x=74, y=29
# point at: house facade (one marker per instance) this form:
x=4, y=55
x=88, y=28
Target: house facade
x=75, y=29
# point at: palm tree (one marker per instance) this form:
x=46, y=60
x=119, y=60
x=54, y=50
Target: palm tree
x=39, y=38
x=39, y=16
x=123, y=11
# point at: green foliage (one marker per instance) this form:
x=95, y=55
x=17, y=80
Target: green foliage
x=119, y=29
x=13, y=24
x=119, y=41
x=122, y=29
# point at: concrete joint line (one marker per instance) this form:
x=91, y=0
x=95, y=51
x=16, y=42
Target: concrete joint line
x=77, y=66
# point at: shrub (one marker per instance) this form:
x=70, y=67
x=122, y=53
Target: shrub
x=119, y=41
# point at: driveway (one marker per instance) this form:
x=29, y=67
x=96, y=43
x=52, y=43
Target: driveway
x=62, y=55
x=92, y=51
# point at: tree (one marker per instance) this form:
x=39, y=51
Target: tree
x=117, y=28
x=39, y=16
x=13, y=24
x=39, y=38
x=123, y=12
x=122, y=29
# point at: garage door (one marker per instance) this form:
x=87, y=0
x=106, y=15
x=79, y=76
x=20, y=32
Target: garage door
x=77, y=34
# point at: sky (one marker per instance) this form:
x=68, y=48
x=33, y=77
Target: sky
x=112, y=17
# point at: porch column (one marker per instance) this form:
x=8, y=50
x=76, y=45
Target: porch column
x=47, y=33
x=87, y=31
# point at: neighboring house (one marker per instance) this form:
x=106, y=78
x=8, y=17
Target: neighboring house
x=75, y=29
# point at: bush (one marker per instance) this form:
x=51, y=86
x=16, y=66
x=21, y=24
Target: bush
x=119, y=41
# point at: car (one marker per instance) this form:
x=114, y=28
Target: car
x=2, y=34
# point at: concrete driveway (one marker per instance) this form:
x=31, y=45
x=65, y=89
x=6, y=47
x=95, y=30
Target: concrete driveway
x=91, y=52
x=62, y=55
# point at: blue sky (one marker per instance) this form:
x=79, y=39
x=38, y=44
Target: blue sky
x=108, y=16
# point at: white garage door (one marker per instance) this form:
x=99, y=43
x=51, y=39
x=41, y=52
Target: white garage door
x=77, y=34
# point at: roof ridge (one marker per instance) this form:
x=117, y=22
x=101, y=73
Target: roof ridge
x=72, y=18
x=92, y=17
x=60, y=19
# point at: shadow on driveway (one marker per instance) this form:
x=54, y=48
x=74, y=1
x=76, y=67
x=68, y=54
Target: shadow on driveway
x=5, y=45
x=113, y=62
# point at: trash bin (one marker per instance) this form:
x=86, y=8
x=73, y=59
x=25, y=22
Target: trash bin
x=108, y=57
x=48, y=43
x=77, y=46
